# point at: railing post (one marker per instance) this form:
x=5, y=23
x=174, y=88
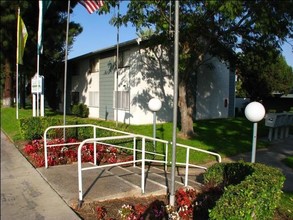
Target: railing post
x=134, y=151
x=166, y=156
x=142, y=165
x=186, y=167
x=45, y=149
x=80, y=196
x=95, y=145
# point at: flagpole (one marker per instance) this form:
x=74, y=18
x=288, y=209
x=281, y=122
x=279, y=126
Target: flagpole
x=39, y=51
x=65, y=70
x=175, y=103
x=17, y=56
x=117, y=63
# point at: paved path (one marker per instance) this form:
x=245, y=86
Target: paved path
x=24, y=193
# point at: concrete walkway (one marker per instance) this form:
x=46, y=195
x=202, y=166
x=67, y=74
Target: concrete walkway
x=24, y=193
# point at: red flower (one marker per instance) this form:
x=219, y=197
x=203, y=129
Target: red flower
x=101, y=212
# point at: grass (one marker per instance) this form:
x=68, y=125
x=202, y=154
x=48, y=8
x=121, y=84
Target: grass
x=225, y=136
x=288, y=161
x=228, y=137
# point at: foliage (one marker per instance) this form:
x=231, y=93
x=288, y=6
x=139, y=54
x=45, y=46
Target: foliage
x=54, y=31
x=288, y=161
x=255, y=197
x=157, y=209
x=285, y=208
x=59, y=155
x=262, y=66
x=80, y=110
x=227, y=174
x=217, y=28
x=34, y=127
x=226, y=133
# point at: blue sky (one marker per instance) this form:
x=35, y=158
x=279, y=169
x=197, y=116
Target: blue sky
x=98, y=33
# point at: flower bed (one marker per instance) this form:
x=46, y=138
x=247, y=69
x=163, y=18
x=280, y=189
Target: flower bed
x=59, y=155
x=142, y=207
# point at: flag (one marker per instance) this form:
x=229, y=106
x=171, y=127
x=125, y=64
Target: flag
x=92, y=5
x=43, y=6
x=21, y=39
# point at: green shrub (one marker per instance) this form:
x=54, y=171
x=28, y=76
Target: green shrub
x=34, y=128
x=80, y=110
x=230, y=173
x=255, y=197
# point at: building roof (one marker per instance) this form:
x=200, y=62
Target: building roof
x=107, y=49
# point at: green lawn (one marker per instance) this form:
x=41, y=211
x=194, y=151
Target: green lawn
x=227, y=137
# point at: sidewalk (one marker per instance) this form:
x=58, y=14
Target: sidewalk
x=24, y=193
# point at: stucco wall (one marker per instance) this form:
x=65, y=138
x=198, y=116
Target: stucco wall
x=212, y=98
x=147, y=78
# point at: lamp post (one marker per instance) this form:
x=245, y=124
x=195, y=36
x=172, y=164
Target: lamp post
x=154, y=105
x=254, y=112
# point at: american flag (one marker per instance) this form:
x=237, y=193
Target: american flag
x=92, y=5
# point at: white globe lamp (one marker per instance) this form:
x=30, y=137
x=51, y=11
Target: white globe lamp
x=254, y=112
x=154, y=105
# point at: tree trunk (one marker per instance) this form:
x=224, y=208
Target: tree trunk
x=8, y=86
x=186, y=110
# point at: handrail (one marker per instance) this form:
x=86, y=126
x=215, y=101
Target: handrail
x=125, y=135
x=187, y=159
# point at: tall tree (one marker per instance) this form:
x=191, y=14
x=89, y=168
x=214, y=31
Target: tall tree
x=54, y=31
x=218, y=28
x=263, y=71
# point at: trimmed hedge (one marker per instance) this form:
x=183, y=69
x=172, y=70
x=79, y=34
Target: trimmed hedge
x=80, y=110
x=34, y=128
x=252, y=191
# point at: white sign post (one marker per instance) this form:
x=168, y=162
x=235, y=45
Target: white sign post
x=37, y=87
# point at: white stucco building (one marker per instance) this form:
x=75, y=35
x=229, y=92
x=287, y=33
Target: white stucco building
x=142, y=75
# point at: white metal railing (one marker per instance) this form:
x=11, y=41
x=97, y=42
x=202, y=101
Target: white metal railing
x=187, y=165
x=125, y=135
x=135, y=149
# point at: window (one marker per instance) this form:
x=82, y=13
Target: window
x=94, y=99
x=122, y=98
x=123, y=56
x=74, y=98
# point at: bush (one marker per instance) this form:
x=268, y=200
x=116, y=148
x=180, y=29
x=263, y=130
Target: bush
x=34, y=127
x=80, y=110
x=255, y=197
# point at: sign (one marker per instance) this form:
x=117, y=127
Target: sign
x=37, y=87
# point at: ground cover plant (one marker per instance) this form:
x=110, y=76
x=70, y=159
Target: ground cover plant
x=226, y=141
x=60, y=155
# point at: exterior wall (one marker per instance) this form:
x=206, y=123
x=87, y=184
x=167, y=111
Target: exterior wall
x=79, y=81
x=232, y=93
x=94, y=89
x=146, y=78
x=212, y=98
x=106, y=110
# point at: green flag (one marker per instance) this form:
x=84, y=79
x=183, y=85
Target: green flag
x=21, y=39
x=43, y=6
